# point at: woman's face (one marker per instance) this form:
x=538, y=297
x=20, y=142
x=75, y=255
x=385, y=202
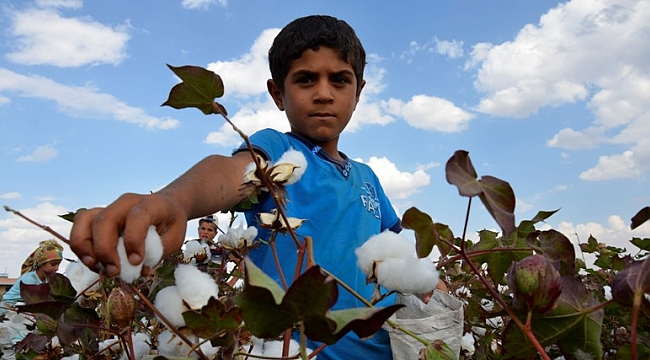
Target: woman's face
x=51, y=266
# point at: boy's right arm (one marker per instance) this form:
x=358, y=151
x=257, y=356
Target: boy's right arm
x=211, y=185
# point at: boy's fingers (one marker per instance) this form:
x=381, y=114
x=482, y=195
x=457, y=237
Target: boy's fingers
x=81, y=238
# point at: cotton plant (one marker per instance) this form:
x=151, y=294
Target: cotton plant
x=196, y=252
x=390, y=260
x=192, y=290
x=238, y=237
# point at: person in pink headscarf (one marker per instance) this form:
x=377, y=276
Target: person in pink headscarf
x=42, y=262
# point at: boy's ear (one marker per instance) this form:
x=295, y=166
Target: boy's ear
x=275, y=93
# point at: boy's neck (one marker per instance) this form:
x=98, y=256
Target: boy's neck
x=334, y=153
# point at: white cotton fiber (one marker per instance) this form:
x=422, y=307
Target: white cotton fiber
x=153, y=248
x=296, y=158
x=237, y=237
x=81, y=276
x=170, y=304
x=195, y=286
x=141, y=346
x=410, y=276
x=273, y=348
x=381, y=247
x=129, y=273
x=171, y=345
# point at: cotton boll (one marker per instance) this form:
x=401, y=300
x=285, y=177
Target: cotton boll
x=237, y=237
x=171, y=345
x=273, y=348
x=467, y=344
x=170, y=304
x=153, y=248
x=296, y=158
x=113, y=343
x=128, y=272
x=208, y=350
x=411, y=276
x=141, y=346
x=194, y=248
x=195, y=286
x=81, y=276
x=381, y=247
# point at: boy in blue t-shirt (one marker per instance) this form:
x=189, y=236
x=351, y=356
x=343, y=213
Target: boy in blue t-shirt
x=317, y=65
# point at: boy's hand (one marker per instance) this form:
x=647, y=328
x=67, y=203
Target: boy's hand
x=95, y=232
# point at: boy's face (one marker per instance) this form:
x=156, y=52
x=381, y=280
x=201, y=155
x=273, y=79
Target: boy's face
x=207, y=230
x=320, y=95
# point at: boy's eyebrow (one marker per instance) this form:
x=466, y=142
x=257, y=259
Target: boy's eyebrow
x=310, y=72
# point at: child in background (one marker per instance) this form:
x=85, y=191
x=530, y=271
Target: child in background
x=42, y=262
x=317, y=65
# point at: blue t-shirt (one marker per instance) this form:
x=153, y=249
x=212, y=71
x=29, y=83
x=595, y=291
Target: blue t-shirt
x=344, y=205
x=12, y=296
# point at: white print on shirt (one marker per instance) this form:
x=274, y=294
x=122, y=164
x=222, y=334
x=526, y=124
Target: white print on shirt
x=370, y=200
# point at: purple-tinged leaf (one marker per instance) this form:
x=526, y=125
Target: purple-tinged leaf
x=499, y=199
x=639, y=218
x=556, y=247
x=632, y=281
x=460, y=172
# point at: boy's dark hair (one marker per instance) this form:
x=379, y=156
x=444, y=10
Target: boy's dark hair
x=312, y=32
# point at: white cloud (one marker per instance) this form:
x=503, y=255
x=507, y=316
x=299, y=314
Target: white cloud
x=568, y=138
x=202, y=4
x=397, y=184
x=615, y=233
x=80, y=101
x=453, y=49
x=249, y=119
x=582, y=50
x=11, y=196
x=246, y=76
x=620, y=166
x=430, y=113
x=19, y=237
x=44, y=37
x=43, y=153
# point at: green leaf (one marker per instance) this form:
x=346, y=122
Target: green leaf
x=261, y=304
x=460, y=172
x=499, y=199
x=498, y=259
x=199, y=88
x=427, y=233
x=77, y=322
x=591, y=246
x=70, y=215
x=640, y=217
x=527, y=226
x=643, y=244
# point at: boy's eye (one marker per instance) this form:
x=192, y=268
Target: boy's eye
x=304, y=79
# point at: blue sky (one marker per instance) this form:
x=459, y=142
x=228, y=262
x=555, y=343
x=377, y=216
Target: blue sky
x=553, y=97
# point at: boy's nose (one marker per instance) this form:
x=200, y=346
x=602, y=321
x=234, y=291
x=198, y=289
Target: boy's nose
x=323, y=92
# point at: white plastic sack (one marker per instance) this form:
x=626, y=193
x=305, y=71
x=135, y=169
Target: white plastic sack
x=439, y=319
